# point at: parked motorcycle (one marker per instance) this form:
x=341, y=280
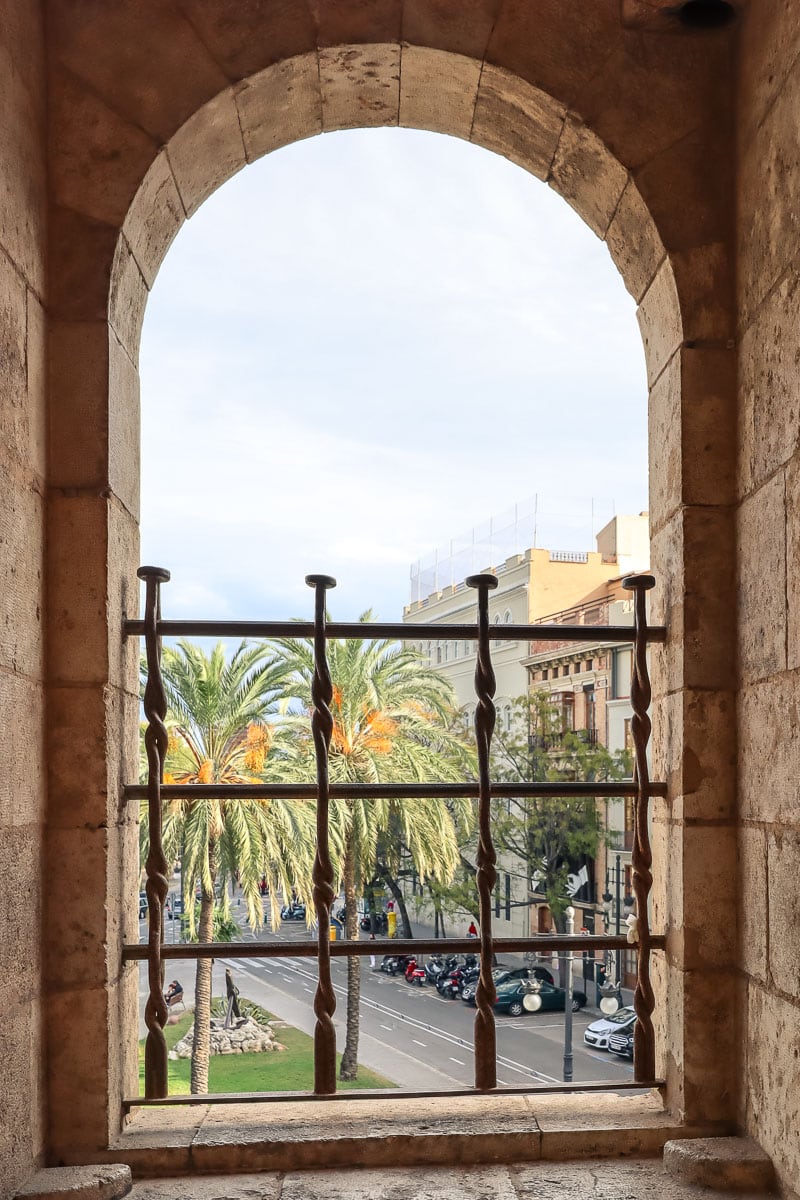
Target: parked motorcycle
x=393, y=964
x=293, y=912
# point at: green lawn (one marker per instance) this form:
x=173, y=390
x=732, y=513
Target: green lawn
x=289, y=1070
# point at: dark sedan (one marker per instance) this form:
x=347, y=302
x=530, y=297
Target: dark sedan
x=622, y=1043
x=508, y=975
x=511, y=998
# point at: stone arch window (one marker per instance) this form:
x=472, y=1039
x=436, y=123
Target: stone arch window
x=114, y=214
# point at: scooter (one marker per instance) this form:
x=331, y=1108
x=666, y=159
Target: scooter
x=393, y=964
x=293, y=912
x=434, y=967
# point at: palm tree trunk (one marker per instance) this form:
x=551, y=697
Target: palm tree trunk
x=349, y=1065
x=201, y=1040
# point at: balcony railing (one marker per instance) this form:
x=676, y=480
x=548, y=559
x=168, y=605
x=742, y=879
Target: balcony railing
x=156, y=953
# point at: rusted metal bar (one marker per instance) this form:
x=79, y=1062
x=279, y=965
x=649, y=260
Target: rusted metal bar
x=322, y=873
x=544, y=1089
x=486, y=857
x=156, y=741
x=394, y=631
x=644, y=1052
x=342, y=948
x=388, y=791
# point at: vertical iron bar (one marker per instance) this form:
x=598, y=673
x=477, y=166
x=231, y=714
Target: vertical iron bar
x=486, y=875
x=156, y=741
x=322, y=874
x=644, y=1057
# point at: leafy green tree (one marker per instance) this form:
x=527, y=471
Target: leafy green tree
x=391, y=723
x=217, y=710
x=549, y=835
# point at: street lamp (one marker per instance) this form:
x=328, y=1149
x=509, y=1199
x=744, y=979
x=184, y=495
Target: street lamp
x=566, y=976
x=532, y=999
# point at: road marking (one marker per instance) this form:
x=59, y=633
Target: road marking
x=389, y=1027
x=457, y=1060
x=443, y=1034
x=502, y=1083
x=416, y=1043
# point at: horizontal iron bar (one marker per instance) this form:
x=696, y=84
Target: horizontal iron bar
x=373, y=630
x=342, y=948
x=646, y=1085
x=387, y=791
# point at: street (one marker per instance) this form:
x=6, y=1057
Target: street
x=409, y=1034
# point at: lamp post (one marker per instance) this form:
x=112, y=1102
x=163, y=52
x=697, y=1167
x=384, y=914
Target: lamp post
x=566, y=976
x=610, y=997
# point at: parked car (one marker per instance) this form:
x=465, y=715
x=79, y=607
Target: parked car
x=510, y=998
x=622, y=1043
x=598, y=1033
x=502, y=974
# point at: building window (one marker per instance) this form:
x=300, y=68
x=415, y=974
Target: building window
x=545, y=674
x=590, y=664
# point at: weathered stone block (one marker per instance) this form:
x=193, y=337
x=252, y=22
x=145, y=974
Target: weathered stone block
x=752, y=906
x=109, y=1182
x=659, y=317
x=127, y=299
x=81, y=254
x=528, y=40
x=281, y=104
x=769, y=220
x=21, y=574
x=78, y=927
x=97, y=159
x=772, y=1080
x=710, y=899
x=709, y=1074
x=463, y=30
x=704, y=278
x=769, y=406
x=769, y=749
x=78, y=1025
x=77, y=613
x=132, y=56
x=154, y=217
x=207, y=150
x=78, y=410
x=634, y=242
x=588, y=177
x=124, y=441
x=783, y=857
x=357, y=21
x=17, y=432
x=92, y=742
x=769, y=41
x=761, y=539
x=36, y=351
x=360, y=86
x=23, y=187
x=792, y=552
x=438, y=91
x=725, y=1164
x=689, y=188
x=21, y=1133
x=255, y=35
x=22, y=797
x=694, y=750
x=517, y=120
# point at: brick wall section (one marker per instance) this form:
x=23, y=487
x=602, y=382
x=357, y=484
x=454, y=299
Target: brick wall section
x=22, y=500
x=768, y=533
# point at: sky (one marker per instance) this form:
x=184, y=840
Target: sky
x=363, y=346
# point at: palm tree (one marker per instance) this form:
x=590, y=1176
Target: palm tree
x=391, y=724
x=217, y=709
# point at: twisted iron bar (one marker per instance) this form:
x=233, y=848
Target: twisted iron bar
x=322, y=874
x=641, y=855
x=486, y=858
x=156, y=741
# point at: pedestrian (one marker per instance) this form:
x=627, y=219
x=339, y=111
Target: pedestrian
x=372, y=956
x=473, y=930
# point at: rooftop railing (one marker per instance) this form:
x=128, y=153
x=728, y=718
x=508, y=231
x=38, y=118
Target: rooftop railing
x=641, y=788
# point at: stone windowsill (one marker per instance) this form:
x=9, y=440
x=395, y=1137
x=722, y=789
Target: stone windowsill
x=284, y=1136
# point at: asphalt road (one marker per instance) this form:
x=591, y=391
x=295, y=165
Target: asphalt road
x=409, y=1034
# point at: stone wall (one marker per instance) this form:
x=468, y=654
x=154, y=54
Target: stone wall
x=22, y=500
x=768, y=535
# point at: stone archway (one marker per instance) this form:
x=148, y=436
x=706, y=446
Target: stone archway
x=114, y=217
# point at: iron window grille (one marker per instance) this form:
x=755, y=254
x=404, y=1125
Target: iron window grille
x=639, y=790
